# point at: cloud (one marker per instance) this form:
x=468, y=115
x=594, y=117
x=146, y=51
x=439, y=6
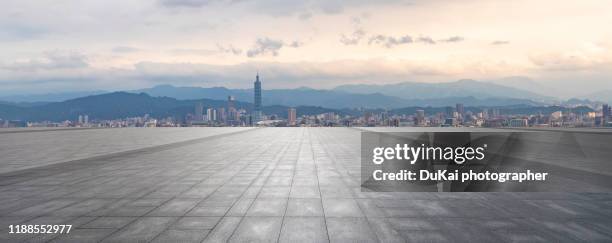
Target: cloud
x=49, y=61
x=125, y=49
x=305, y=16
x=453, y=39
x=230, y=49
x=315, y=74
x=192, y=51
x=500, y=42
x=284, y=7
x=577, y=60
x=186, y=3
x=358, y=33
x=286, y=74
x=277, y=75
x=389, y=41
x=296, y=44
x=354, y=38
x=267, y=46
x=426, y=40
x=220, y=49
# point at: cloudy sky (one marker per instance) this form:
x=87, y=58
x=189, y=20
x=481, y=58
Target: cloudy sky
x=61, y=45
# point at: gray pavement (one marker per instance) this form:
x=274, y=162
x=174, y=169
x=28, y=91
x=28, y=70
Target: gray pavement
x=25, y=148
x=260, y=185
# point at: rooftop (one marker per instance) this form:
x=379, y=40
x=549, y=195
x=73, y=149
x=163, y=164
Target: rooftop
x=256, y=184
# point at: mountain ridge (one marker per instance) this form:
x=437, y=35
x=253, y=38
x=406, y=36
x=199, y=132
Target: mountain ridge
x=390, y=96
x=460, y=88
x=118, y=105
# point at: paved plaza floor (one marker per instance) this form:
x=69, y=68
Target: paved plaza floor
x=254, y=185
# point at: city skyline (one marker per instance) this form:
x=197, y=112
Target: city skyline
x=448, y=116
x=562, y=46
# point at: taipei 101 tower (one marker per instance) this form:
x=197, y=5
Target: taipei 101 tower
x=257, y=113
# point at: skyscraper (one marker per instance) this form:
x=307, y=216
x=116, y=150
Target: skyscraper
x=291, y=117
x=221, y=115
x=605, y=114
x=257, y=113
x=230, y=102
x=449, y=111
x=199, y=111
x=420, y=118
x=211, y=115
x=460, y=109
x=232, y=115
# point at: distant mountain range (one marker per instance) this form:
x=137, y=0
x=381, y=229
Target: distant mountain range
x=49, y=97
x=284, y=97
x=461, y=88
x=468, y=92
x=389, y=96
x=604, y=95
x=123, y=104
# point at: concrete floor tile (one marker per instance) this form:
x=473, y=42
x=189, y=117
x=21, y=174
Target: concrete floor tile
x=267, y=207
x=257, y=229
x=304, y=229
x=304, y=207
x=196, y=223
x=182, y=235
x=175, y=207
x=223, y=230
x=350, y=230
x=335, y=207
x=109, y=222
x=143, y=229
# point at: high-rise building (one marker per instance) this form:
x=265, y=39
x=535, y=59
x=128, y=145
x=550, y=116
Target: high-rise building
x=80, y=119
x=449, y=111
x=230, y=103
x=329, y=116
x=257, y=113
x=292, y=117
x=86, y=119
x=367, y=118
x=606, y=111
x=211, y=115
x=199, y=111
x=232, y=113
x=420, y=117
x=222, y=115
x=460, y=109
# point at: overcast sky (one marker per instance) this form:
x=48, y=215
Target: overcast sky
x=58, y=45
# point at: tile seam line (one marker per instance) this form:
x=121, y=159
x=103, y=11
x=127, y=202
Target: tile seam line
x=314, y=159
x=280, y=232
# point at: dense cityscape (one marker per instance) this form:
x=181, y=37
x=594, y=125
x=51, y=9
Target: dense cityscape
x=230, y=115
